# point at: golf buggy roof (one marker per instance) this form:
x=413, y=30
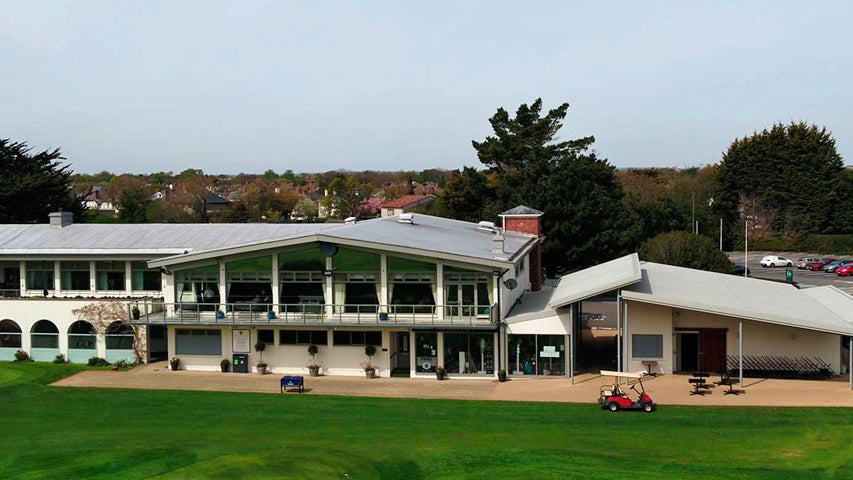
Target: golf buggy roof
x=610, y=373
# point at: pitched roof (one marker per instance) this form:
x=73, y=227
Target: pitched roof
x=521, y=210
x=596, y=280
x=408, y=201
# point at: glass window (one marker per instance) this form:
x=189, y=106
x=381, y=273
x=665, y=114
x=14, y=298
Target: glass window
x=522, y=354
x=109, y=275
x=357, y=338
x=81, y=336
x=469, y=353
x=426, y=351
x=198, y=342
x=552, y=354
x=144, y=278
x=75, y=275
x=44, y=335
x=266, y=336
x=303, y=337
x=361, y=298
x=40, y=275
x=649, y=346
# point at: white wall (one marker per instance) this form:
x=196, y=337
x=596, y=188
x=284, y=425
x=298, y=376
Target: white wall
x=759, y=338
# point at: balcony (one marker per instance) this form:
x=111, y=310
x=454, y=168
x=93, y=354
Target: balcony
x=153, y=312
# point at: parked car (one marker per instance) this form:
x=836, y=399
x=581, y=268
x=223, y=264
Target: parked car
x=738, y=270
x=803, y=261
x=831, y=267
x=776, y=261
x=816, y=266
x=845, y=270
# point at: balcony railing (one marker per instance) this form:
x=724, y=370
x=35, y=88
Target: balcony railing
x=153, y=312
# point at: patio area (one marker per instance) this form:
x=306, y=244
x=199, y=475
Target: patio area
x=665, y=389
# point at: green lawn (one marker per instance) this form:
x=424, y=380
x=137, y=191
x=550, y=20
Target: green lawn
x=75, y=433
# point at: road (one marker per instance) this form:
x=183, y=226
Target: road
x=803, y=277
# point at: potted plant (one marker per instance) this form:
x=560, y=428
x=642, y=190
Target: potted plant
x=262, y=367
x=369, y=369
x=260, y=347
x=135, y=312
x=440, y=373
x=220, y=315
x=270, y=315
x=501, y=375
x=313, y=367
x=174, y=363
x=383, y=316
x=224, y=365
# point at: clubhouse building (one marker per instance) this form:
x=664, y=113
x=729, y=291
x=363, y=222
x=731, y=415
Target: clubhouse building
x=426, y=291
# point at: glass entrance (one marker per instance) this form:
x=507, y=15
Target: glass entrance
x=426, y=351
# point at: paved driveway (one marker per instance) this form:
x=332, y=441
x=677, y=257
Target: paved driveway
x=665, y=390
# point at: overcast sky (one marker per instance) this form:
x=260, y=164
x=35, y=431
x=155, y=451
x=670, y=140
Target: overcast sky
x=311, y=86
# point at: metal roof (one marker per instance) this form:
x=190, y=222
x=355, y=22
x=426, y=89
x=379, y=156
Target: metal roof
x=139, y=239
x=824, y=309
x=596, y=280
x=522, y=210
x=532, y=306
x=427, y=236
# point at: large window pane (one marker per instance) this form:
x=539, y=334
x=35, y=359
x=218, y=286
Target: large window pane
x=648, y=346
x=75, y=275
x=144, y=278
x=198, y=342
x=40, y=275
x=522, y=354
x=109, y=276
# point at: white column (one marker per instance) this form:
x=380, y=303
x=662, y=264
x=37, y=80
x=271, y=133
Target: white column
x=626, y=336
x=439, y=353
x=439, y=289
x=223, y=290
x=619, y=331
x=412, y=358
x=92, y=279
x=850, y=360
x=23, y=281
x=571, y=339
x=276, y=283
x=383, y=279
x=128, y=278
x=740, y=352
x=330, y=288
x=101, y=344
x=57, y=278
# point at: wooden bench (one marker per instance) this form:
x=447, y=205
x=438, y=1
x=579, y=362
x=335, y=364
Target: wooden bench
x=292, y=381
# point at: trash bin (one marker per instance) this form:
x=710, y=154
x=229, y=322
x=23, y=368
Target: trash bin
x=240, y=363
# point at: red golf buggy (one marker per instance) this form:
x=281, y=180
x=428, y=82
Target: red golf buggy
x=613, y=396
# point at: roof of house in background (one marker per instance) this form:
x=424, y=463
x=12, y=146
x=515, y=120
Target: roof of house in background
x=408, y=201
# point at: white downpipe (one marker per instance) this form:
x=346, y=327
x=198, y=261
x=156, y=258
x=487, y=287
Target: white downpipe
x=619, y=331
x=572, y=343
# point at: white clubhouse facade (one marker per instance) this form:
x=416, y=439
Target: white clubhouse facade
x=426, y=291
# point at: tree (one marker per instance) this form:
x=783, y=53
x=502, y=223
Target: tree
x=585, y=221
x=34, y=185
x=785, y=180
x=465, y=197
x=345, y=197
x=685, y=249
x=132, y=195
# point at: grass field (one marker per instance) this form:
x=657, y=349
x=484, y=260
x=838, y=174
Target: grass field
x=76, y=433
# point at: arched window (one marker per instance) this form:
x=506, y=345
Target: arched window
x=10, y=334
x=119, y=336
x=81, y=336
x=44, y=334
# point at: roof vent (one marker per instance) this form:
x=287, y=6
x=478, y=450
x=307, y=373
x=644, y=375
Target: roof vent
x=485, y=226
x=350, y=220
x=407, y=218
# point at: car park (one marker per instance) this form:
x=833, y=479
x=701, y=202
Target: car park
x=776, y=261
x=816, y=266
x=803, y=261
x=844, y=270
x=832, y=266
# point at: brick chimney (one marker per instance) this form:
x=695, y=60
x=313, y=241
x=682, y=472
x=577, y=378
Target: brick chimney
x=527, y=221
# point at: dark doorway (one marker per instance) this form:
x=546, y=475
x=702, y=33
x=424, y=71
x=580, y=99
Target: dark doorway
x=687, y=348
x=157, y=343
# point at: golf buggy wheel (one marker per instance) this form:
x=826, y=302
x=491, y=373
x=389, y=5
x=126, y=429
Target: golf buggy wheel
x=790, y=264
x=648, y=407
x=613, y=406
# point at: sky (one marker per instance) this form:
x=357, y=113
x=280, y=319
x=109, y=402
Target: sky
x=312, y=86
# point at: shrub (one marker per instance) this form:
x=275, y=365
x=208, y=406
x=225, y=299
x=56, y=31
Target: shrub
x=21, y=356
x=121, y=365
x=98, y=362
x=60, y=359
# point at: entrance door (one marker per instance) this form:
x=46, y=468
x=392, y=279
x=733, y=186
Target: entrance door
x=157, y=343
x=402, y=353
x=687, y=348
x=712, y=351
